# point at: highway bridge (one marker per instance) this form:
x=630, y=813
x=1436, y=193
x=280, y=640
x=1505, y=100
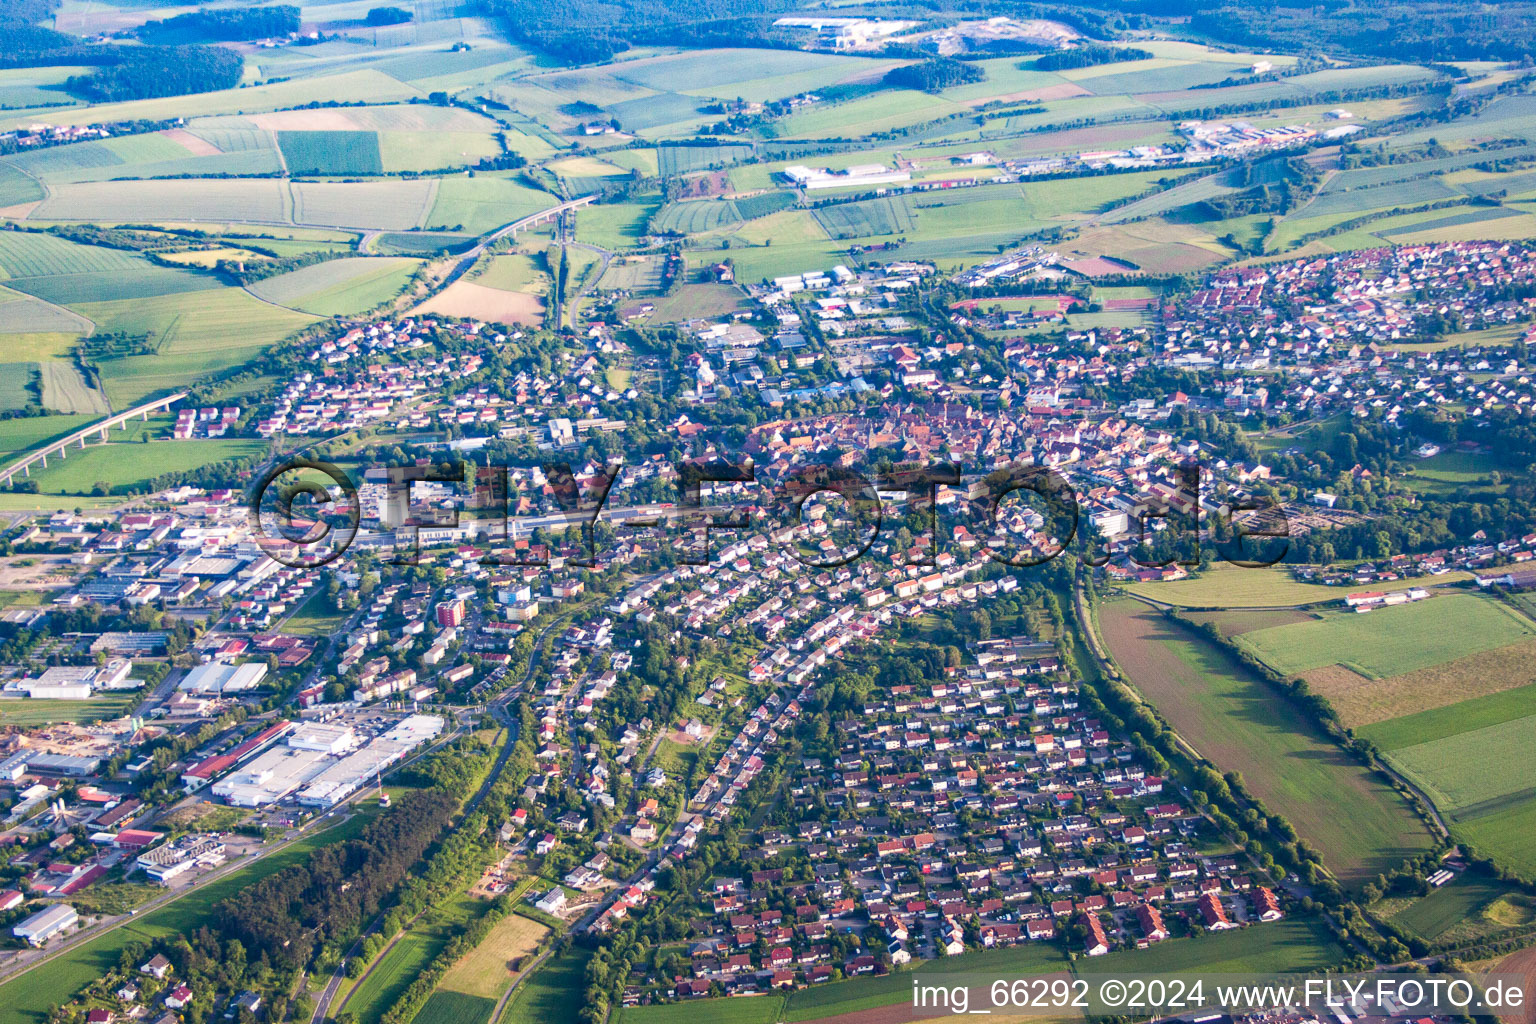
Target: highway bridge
x=58, y=448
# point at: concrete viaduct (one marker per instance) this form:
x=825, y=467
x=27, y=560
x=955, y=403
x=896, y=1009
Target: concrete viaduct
x=24, y=466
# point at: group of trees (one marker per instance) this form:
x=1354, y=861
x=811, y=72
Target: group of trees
x=144, y=72
x=227, y=24
x=286, y=916
x=1089, y=55
x=590, y=31
x=934, y=75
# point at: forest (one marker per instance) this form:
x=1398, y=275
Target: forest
x=286, y=916
x=224, y=25
x=934, y=75
x=1088, y=56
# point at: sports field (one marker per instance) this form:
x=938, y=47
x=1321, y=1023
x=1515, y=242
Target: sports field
x=1466, y=908
x=1240, y=724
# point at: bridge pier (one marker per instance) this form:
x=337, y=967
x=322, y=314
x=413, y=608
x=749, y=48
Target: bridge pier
x=146, y=415
x=82, y=442
x=45, y=461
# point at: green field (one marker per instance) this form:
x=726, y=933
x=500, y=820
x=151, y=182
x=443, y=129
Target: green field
x=371, y=86
x=1238, y=722
x=1231, y=587
x=1464, y=899
x=870, y=217
x=615, y=226
x=1474, y=772
x=1504, y=835
x=1391, y=641
x=26, y=712
x=393, y=973
x=197, y=333
x=1292, y=944
x=675, y=160
x=15, y=381
x=480, y=204
x=29, y=997
x=1439, y=723
x=131, y=466
x=764, y=1009
x=337, y=152
x=854, y=994
x=315, y=617
x=65, y=390
x=27, y=254
x=19, y=435
x=456, y=1008
x=339, y=287
x=886, y=111
x=552, y=994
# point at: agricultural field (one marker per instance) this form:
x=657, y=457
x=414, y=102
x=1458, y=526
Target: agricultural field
x=615, y=226
x=130, y=466
x=698, y=301
x=364, y=85
x=1391, y=641
x=678, y=160
x=195, y=334
x=883, y=112
x=765, y=1009
x=1232, y=587
x=515, y=272
x=328, y=152
x=394, y=971
x=17, y=385
x=475, y=301
x=23, y=434
x=487, y=971
x=65, y=390
x=552, y=994
x=871, y=217
x=1236, y=721
x=481, y=204
x=338, y=287
x=1292, y=944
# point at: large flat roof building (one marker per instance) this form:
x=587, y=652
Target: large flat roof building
x=223, y=677
x=45, y=924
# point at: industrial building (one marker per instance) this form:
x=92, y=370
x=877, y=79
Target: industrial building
x=859, y=174
x=63, y=764
x=45, y=924
x=185, y=854
x=222, y=677
x=313, y=766
x=75, y=682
